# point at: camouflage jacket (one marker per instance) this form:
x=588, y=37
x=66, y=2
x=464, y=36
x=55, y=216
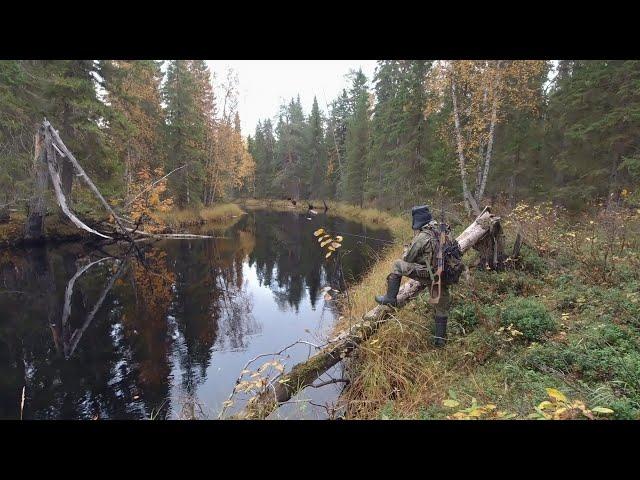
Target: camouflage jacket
x=422, y=246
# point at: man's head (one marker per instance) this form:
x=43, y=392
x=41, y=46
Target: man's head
x=421, y=216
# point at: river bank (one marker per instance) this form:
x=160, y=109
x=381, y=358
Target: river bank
x=58, y=229
x=558, y=336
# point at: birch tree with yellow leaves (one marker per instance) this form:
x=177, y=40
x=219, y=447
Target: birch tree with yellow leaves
x=232, y=167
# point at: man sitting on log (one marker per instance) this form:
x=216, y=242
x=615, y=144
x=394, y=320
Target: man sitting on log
x=416, y=263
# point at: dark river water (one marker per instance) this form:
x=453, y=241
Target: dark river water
x=164, y=334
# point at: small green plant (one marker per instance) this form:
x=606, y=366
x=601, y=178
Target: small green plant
x=527, y=316
x=465, y=316
x=530, y=261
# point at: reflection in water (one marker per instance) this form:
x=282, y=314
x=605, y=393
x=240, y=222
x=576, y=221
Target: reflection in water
x=95, y=334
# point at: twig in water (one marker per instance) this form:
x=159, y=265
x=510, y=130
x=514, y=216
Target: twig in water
x=329, y=382
x=22, y=402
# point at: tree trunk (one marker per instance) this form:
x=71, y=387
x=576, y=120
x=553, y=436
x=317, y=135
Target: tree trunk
x=66, y=178
x=461, y=160
x=512, y=178
x=34, y=228
x=613, y=177
x=487, y=160
x=71, y=159
x=305, y=373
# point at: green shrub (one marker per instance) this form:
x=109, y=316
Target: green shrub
x=625, y=409
x=531, y=262
x=605, y=353
x=528, y=316
x=465, y=315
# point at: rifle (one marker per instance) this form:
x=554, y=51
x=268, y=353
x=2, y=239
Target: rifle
x=436, y=284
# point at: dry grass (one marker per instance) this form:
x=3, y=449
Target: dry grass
x=217, y=213
x=400, y=363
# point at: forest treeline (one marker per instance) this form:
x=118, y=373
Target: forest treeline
x=567, y=132
x=127, y=122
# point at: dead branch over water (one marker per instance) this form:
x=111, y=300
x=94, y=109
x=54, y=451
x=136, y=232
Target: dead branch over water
x=49, y=146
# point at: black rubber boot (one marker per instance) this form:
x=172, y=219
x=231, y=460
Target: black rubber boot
x=441, y=331
x=393, y=286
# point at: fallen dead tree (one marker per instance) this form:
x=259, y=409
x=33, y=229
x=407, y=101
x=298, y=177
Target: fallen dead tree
x=49, y=147
x=483, y=231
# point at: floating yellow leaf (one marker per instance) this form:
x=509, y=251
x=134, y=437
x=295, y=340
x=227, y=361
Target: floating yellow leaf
x=339, y=238
x=328, y=255
x=331, y=248
x=320, y=231
x=336, y=245
x=325, y=243
x=557, y=395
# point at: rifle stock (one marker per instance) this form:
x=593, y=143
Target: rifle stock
x=436, y=284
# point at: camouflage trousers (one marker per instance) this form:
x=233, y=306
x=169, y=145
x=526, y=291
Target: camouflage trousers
x=406, y=269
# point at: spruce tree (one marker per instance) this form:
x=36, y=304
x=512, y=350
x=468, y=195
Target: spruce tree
x=316, y=154
x=357, y=143
x=136, y=126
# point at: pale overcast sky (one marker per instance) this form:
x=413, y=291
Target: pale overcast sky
x=265, y=84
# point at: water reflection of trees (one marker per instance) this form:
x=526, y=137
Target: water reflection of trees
x=289, y=261
x=211, y=307
x=168, y=310
x=120, y=350
x=94, y=382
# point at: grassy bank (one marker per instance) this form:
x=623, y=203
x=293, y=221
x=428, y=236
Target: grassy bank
x=60, y=229
x=216, y=214
x=563, y=327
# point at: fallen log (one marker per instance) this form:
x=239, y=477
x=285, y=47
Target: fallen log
x=48, y=144
x=286, y=385
x=60, y=145
x=62, y=201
